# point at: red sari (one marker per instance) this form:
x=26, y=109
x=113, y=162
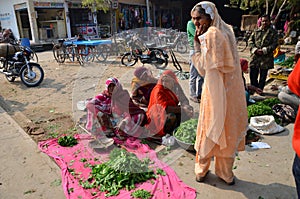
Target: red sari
x=160, y=99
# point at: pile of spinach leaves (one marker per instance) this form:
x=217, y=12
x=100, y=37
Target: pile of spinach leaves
x=123, y=170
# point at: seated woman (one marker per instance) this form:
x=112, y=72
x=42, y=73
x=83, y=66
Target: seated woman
x=166, y=108
x=141, y=86
x=113, y=112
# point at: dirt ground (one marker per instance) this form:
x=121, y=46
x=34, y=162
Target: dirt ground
x=50, y=109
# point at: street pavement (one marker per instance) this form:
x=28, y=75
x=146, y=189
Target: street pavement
x=25, y=172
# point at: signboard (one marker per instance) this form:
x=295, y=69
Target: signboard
x=5, y=16
x=20, y=6
x=37, y=4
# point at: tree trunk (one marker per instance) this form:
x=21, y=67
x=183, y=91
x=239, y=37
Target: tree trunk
x=267, y=7
x=273, y=9
x=280, y=10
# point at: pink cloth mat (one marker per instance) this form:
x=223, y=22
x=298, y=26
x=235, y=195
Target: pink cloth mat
x=71, y=160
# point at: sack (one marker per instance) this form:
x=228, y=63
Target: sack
x=264, y=124
x=8, y=49
x=285, y=112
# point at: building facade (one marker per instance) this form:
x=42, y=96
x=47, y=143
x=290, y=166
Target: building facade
x=46, y=20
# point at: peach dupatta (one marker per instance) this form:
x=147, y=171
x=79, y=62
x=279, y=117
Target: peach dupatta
x=223, y=114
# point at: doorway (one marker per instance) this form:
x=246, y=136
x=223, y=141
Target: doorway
x=23, y=23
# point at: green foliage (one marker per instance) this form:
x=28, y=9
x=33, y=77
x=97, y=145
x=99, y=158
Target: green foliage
x=67, y=141
x=141, y=193
x=186, y=132
x=96, y=5
x=123, y=170
x=263, y=108
x=288, y=63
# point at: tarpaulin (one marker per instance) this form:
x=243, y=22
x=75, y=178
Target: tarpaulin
x=74, y=163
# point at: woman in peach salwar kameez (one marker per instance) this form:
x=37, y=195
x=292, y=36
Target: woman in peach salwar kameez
x=223, y=115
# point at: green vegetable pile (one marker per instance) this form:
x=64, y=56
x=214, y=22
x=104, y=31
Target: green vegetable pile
x=141, y=193
x=123, y=170
x=288, y=63
x=67, y=141
x=262, y=108
x=186, y=132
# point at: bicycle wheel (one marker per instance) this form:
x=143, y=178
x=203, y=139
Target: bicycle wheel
x=86, y=53
x=181, y=47
x=241, y=43
x=101, y=52
x=121, y=49
x=72, y=53
x=58, y=53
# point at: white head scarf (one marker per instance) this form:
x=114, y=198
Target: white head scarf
x=217, y=21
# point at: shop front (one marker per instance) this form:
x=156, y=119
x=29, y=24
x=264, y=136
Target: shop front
x=131, y=14
x=50, y=19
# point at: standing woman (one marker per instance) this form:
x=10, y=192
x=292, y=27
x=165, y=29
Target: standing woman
x=223, y=115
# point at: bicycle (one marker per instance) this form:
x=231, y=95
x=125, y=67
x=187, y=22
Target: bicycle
x=62, y=51
x=242, y=41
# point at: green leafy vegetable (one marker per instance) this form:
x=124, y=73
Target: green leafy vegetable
x=141, y=193
x=186, y=132
x=263, y=108
x=123, y=170
x=67, y=141
x=289, y=62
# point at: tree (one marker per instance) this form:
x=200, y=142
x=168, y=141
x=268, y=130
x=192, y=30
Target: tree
x=96, y=5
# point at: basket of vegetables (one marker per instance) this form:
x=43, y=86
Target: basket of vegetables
x=185, y=134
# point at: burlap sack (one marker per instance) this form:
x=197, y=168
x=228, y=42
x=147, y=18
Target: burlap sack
x=8, y=48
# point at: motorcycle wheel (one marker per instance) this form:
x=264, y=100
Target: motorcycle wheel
x=161, y=61
x=58, y=53
x=181, y=47
x=129, y=59
x=10, y=78
x=36, y=76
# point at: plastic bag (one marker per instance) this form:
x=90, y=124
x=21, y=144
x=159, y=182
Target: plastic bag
x=168, y=140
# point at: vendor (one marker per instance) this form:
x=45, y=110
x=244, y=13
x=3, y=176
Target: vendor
x=286, y=96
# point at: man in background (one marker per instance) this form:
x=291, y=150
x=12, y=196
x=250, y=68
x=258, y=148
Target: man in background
x=262, y=42
x=196, y=81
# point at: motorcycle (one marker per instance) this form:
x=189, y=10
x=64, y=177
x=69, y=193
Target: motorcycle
x=139, y=51
x=18, y=64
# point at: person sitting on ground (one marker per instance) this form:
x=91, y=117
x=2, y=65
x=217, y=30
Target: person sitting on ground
x=286, y=96
x=249, y=89
x=166, y=109
x=141, y=86
x=113, y=112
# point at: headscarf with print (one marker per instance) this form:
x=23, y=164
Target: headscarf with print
x=121, y=100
